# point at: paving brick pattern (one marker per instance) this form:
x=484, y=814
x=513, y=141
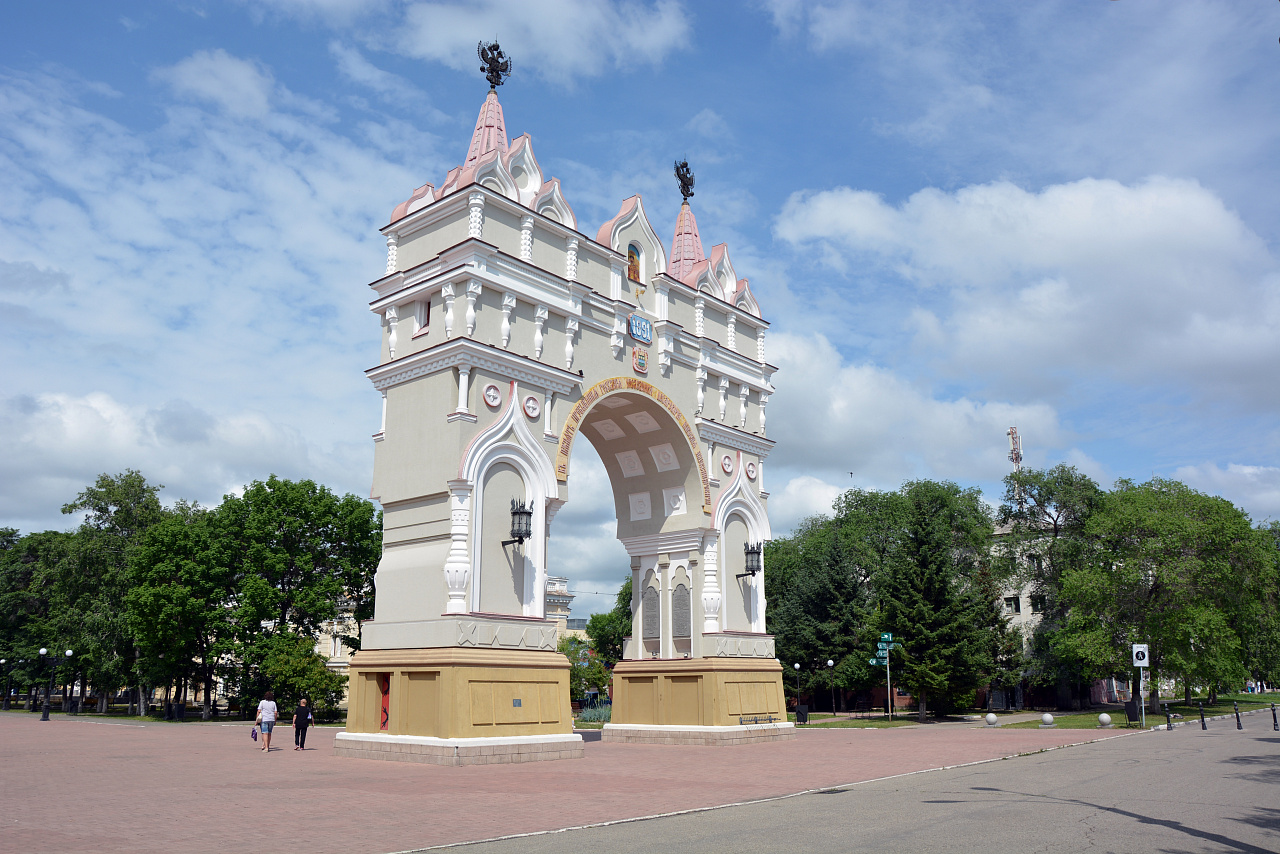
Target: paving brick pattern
x=79, y=784
x=732, y=738
x=431, y=754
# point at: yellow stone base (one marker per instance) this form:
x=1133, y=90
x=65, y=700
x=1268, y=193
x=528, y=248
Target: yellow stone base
x=698, y=692
x=457, y=692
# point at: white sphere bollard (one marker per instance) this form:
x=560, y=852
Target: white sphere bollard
x=1046, y=721
x=1104, y=721
x=991, y=719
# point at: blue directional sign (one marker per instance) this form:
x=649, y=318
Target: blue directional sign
x=886, y=636
x=879, y=661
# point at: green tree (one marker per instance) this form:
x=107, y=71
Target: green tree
x=180, y=598
x=88, y=593
x=1171, y=567
x=607, y=631
x=299, y=555
x=1042, y=522
x=935, y=600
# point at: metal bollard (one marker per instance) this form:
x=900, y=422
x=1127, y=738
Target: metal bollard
x=1237, y=708
x=1275, y=723
x=1203, y=725
x=1168, y=719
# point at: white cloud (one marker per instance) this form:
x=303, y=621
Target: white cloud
x=239, y=86
x=802, y=497
x=1152, y=283
x=53, y=445
x=831, y=418
x=1254, y=487
x=559, y=40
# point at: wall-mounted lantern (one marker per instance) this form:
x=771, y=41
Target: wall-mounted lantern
x=752, y=552
x=521, y=523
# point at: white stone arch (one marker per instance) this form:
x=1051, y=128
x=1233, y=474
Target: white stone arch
x=524, y=169
x=509, y=440
x=632, y=214
x=493, y=175
x=739, y=499
x=550, y=202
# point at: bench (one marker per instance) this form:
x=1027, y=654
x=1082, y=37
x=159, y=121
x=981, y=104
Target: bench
x=760, y=719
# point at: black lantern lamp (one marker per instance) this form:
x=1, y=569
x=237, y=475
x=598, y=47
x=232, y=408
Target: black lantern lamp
x=521, y=523
x=49, y=662
x=752, y=552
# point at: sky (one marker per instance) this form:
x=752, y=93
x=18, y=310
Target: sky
x=959, y=217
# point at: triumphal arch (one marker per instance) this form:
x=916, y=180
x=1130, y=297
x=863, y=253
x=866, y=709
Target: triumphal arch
x=510, y=332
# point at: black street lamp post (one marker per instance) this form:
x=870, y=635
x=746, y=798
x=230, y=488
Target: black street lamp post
x=8, y=669
x=49, y=662
x=830, y=669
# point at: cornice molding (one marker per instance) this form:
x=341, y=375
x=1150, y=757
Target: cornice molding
x=732, y=437
x=673, y=541
x=465, y=351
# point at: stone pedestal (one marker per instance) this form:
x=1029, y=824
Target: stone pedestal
x=707, y=701
x=459, y=706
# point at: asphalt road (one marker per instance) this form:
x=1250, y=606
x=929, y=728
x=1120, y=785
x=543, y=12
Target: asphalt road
x=1183, y=791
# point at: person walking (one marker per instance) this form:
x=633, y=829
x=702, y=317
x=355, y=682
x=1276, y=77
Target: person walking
x=267, y=713
x=301, y=720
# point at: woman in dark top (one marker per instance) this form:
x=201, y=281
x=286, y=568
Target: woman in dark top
x=301, y=720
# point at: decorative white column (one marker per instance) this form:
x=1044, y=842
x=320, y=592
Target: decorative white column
x=743, y=392
x=539, y=320
x=731, y=333
x=660, y=304
x=393, y=243
x=457, y=566
x=508, y=304
x=526, y=238
x=711, y=584
x=546, y=430
x=393, y=317
x=615, y=279
x=382, y=429
x=701, y=375
x=571, y=258
x=665, y=346
x=448, y=293
x=464, y=388
x=570, y=330
x=619, y=330
x=473, y=292
x=760, y=345
x=764, y=399
x=724, y=396
x=699, y=310
x=475, y=221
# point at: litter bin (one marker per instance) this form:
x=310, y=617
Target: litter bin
x=180, y=711
x=802, y=714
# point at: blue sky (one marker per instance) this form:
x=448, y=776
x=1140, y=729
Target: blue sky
x=959, y=217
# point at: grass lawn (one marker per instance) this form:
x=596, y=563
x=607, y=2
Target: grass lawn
x=1081, y=720
x=827, y=721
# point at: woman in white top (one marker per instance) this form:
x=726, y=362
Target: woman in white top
x=267, y=718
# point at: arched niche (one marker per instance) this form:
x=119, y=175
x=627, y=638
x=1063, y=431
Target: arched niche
x=502, y=584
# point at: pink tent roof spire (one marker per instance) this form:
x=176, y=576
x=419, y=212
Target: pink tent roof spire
x=490, y=132
x=686, y=246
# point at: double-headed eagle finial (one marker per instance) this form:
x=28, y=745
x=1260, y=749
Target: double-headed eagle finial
x=685, y=176
x=496, y=68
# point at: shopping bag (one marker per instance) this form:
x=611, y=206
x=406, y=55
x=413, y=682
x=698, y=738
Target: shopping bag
x=253, y=733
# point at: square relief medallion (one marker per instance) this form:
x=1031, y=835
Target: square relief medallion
x=643, y=421
x=617, y=401
x=664, y=457
x=641, y=507
x=630, y=463
x=673, y=501
x=608, y=429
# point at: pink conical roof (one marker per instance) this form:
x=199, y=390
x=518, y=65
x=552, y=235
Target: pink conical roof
x=686, y=247
x=490, y=132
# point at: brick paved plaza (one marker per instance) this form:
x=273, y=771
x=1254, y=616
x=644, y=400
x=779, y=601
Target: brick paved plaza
x=84, y=784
